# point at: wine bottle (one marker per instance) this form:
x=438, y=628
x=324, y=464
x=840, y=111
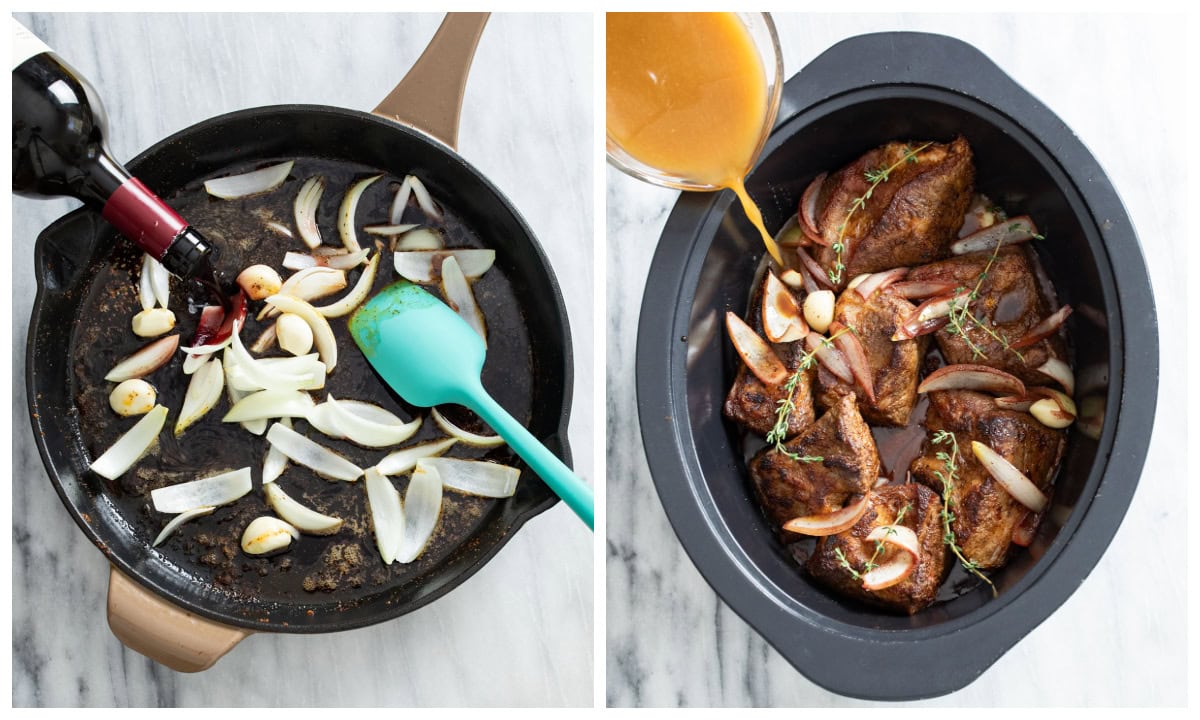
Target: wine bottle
x=59, y=128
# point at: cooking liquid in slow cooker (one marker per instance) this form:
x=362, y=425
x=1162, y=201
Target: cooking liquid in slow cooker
x=687, y=95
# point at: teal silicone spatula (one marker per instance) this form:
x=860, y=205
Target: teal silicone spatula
x=430, y=356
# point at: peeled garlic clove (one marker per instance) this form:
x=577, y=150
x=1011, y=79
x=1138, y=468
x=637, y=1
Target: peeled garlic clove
x=153, y=322
x=259, y=281
x=132, y=397
x=294, y=334
x=265, y=535
x=1053, y=413
x=818, y=310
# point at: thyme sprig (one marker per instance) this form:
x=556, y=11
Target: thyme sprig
x=879, y=547
x=950, y=463
x=876, y=177
x=787, y=405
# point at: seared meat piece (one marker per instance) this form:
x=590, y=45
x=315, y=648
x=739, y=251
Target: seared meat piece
x=984, y=513
x=923, y=517
x=910, y=219
x=895, y=366
x=1010, y=303
x=789, y=489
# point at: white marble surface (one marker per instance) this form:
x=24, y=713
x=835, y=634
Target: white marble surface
x=1120, y=639
x=517, y=633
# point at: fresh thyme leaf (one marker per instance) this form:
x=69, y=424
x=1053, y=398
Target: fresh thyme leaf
x=950, y=463
x=871, y=563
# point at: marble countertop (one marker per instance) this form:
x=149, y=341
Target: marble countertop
x=1119, y=639
x=520, y=632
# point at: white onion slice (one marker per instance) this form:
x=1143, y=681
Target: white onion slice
x=890, y=573
x=369, y=431
x=304, y=519
x=280, y=228
x=899, y=536
x=760, y=359
x=146, y=360
x=322, y=333
x=1060, y=372
x=342, y=261
x=266, y=339
x=388, y=230
x=255, y=182
x=308, y=368
x=460, y=298
x=468, y=438
x=309, y=284
x=828, y=523
x=319, y=458
x=357, y=295
x=180, y=519
x=1013, y=480
x=145, y=287
x=202, y=395
x=402, y=461
x=160, y=282
x=348, y=210
x=424, y=201
x=424, y=266
x=266, y=404
x=130, y=447
x=211, y=491
x=421, y=238
x=275, y=462
x=422, y=506
x=305, y=210
x=1003, y=232
x=387, y=516
x=829, y=356
x=783, y=320
x=474, y=477
x=965, y=376
x=257, y=372
x=256, y=427
x=400, y=201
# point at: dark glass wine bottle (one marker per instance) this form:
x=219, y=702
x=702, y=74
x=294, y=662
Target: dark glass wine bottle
x=59, y=149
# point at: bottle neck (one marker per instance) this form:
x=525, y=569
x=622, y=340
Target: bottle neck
x=131, y=208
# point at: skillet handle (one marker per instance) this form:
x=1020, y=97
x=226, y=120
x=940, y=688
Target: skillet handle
x=430, y=96
x=146, y=623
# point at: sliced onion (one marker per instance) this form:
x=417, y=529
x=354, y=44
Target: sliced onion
x=280, y=228
x=389, y=230
x=304, y=519
x=460, y=298
x=349, y=209
x=256, y=427
x=879, y=281
x=889, y=573
x=424, y=266
x=309, y=284
x=146, y=360
x=357, y=294
x=211, y=491
x=926, y=317
x=160, y=282
x=808, y=204
x=369, y=431
x=1044, y=329
x=791, y=234
x=130, y=447
x=422, y=506
x=755, y=352
x=484, y=441
x=266, y=534
x=1005, y=232
x=266, y=339
x=829, y=356
x=305, y=372
x=341, y=261
x=275, y=461
x=258, y=373
x=400, y=202
x=202, y=395
x=387, y=516
x=404, y=460
x=474, y=477
x=145, y=288
x=305, y=209
x=318, y=458
x=1013, y=480
x=783, y=321
x=856, y=358
x=255, y=182
x=266, y=404
x=922, y=290
x=1060, y=372
x=972, y=377
x=180, y=519
x=322, y=333
x=424, y=201
x=828, y=523
x=792, y=279
x=1021, y=403
x=814, y=270
x=899, y=536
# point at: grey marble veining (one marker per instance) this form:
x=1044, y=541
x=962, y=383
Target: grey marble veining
x=517, y=633
x=1119, y=640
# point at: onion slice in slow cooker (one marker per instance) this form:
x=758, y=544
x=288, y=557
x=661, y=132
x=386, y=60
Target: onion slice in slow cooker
x=899, y=536
x=216, y=490
x=1020, y=487
x=130, y=447
x=965, y=376
x=424, y=266
x=146, y=360
x=813, y=271
x=357, y=294
x=315, y=456
x=889, y=573
x=922, y=290
x=254, y=182
x=783, y=320
x=322, y=333
x=1044, y=329
x=467, y=438
x=1006, y=232
x=930, y=316
x=364, y=427
x=422, y=506
x=760, y=359
x=401, y=461
x=856, y=357
x=474, y=477
x=829, y=523
x=180, y=519
x=387, y=516
x=275, y=461
x=305, y=209
x=808, y=204
x=349, y=209
x=460, y=298
x=202, y=395
x=875, y=282
x=266, y=404
x=829, y=355
x=304, y=519
x=1060, y=372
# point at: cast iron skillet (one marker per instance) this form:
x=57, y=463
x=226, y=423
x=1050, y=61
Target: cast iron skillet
x=71, y=252
x=857, y=95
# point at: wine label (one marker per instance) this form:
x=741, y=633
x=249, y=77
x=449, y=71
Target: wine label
x=25, y=44
x=139, y=215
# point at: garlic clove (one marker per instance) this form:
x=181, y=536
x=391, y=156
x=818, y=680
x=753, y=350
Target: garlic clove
x=294, y=334
x=259, y=281
x=266, y=535
x=818, y=310
x=132, y=397
x=153, y=322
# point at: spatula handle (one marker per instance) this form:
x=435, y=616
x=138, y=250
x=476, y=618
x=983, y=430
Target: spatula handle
x=567, y=485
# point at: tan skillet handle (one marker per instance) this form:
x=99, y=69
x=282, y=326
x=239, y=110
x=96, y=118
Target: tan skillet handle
x=144, y=622
x=430, y=96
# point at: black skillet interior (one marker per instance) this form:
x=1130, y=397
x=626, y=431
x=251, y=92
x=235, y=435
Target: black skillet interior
x=78, y=256
x=847, y=101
